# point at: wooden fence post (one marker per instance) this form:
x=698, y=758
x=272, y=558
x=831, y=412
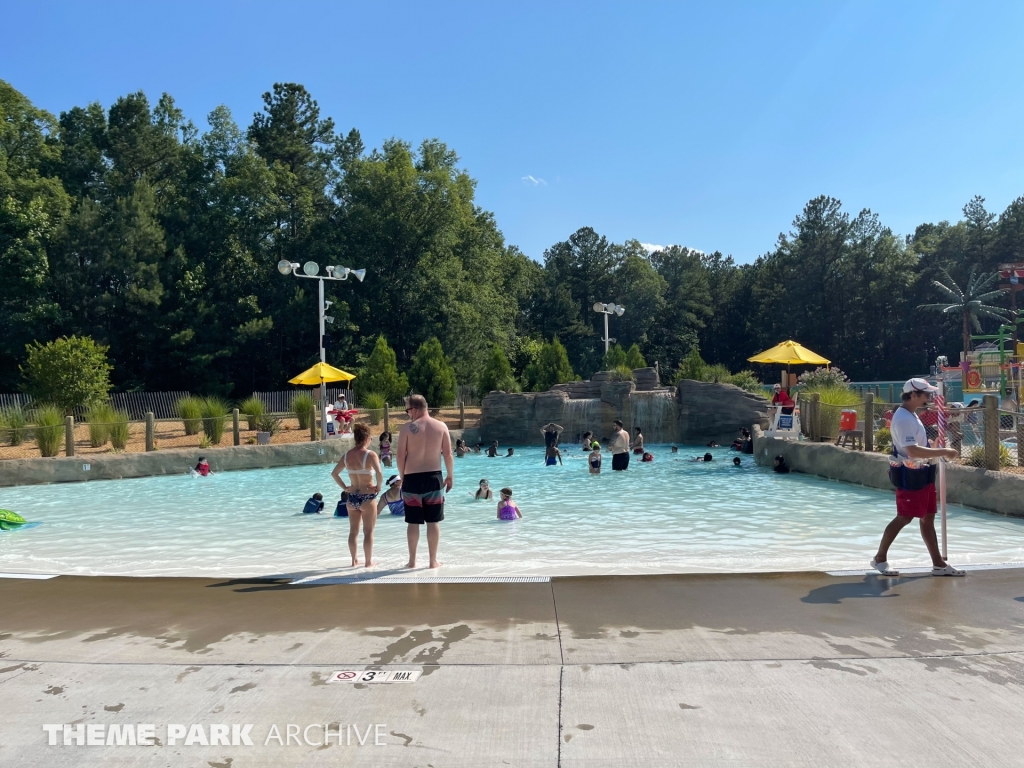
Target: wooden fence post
x=990, y=403
x=69, y=435
x=815, y=427
x=150, y=431
x=869, y=422
x=387, y=419
x=462, y=414
x=234, y=425
x=1020, y=439
x=312, y=423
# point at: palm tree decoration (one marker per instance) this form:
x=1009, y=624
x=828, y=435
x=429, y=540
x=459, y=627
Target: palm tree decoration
x=969, y=302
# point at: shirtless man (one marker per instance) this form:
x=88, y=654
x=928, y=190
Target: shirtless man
x=421, y=444
x=620, y=447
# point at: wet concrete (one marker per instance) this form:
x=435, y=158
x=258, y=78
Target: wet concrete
x=776, y=669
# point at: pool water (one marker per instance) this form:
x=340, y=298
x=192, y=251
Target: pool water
x=672, y=515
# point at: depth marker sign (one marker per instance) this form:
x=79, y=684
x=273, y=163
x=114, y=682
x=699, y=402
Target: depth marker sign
x=373, y=676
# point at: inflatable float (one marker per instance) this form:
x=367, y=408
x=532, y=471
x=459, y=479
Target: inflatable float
x=12, y=521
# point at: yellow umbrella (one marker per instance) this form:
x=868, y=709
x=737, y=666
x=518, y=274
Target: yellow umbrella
x=789, y=353
x=320, y=373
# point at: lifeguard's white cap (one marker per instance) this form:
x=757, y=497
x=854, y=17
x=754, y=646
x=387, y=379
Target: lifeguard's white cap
x=918, y=385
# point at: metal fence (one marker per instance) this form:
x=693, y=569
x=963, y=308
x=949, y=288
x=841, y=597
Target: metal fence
x=983, y=436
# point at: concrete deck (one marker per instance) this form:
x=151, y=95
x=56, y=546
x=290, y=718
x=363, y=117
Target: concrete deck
x=759, y=670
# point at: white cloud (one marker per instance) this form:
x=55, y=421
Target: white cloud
x=534, y=180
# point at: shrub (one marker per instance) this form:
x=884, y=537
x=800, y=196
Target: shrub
x=551, y=367
x=373, y=402
x=252, y=408
x=268, y=423
x=204, y=442
x=634, y=358
x=614, y=358
x=99, y=417
x=976, y=456
x=49, y=429
x=214, y=411
x=68, y=372
x=119, y=430
x=746, y=380
x=380, y=374
x=431, y=375
x=621, y=373
x=823, y=377
x=302, y=406
x=883, y=440
x=496, y=369
x=14, y=421
x=692, y=366
x=717, y=374
x=507, y=384
x=190, y=411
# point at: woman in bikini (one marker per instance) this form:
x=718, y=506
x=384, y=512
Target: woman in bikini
x=365, y=478
x=385, y=448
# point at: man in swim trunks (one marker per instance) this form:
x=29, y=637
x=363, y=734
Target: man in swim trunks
x=421, y=445
x=620, y=447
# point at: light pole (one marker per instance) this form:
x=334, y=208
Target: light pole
x=608, y=309
x=311, y=269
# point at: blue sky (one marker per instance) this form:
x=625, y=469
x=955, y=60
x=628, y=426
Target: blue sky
x=704, y=124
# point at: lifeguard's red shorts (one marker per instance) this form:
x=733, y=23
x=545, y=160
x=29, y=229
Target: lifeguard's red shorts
x=916, y=503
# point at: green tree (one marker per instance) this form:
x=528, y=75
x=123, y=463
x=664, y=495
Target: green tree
x=552, y=367
x=431, y=375
x=497, y=372
x=634, y=358
x=69, y=372
x=968, y=303
x=614, y=358
x=33, y=206
x=692, y=367
x=380, y=374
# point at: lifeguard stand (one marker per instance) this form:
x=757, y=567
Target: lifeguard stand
x=785, y=426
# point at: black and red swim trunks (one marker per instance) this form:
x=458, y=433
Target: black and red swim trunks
x=423, y=494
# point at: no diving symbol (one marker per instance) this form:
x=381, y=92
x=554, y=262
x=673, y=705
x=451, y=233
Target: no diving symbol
x=344, y=677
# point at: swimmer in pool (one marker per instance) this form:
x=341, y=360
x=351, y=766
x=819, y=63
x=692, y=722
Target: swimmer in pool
x=736, y=461
x=392, y=498
x=705, y=457
x=552, y=455
x=202, y=467
x=588, y=438
x=315, y=505
x=638, y=443
x=595, y=458
x=508, y=509
x=648, y=457
x=492, y=450
x=484, y=491
x=511, y=452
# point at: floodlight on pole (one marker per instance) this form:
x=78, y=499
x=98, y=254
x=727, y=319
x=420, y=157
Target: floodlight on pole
x=608, y=309
x=311, y=270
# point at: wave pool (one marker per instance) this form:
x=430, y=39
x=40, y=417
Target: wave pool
x=669, y=516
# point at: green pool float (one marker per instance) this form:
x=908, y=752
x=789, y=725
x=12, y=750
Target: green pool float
x=9, y=521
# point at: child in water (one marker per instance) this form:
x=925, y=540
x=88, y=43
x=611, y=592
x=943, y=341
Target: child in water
x=315, y=505
x=203, y=467
x=647, y=457
x=507, y=509
x=484, y=491
x=595, y=458
x=736, y=461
